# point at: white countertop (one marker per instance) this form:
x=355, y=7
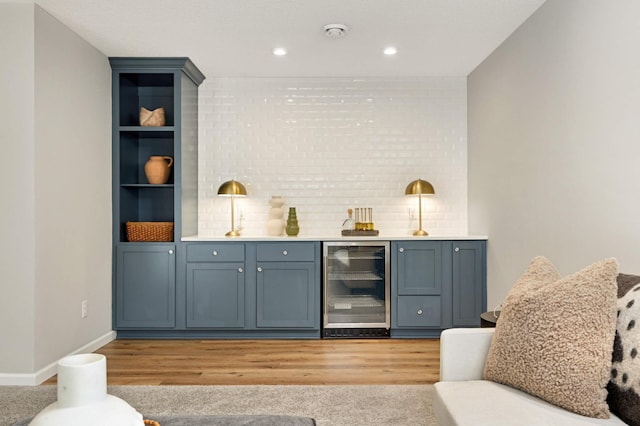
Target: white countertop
x=337, y=238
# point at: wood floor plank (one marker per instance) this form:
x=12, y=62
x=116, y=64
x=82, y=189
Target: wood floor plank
x=272, y=362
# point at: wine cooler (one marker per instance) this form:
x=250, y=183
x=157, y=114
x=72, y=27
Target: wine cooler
x=356, y=289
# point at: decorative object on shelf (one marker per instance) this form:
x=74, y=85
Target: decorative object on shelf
x=364, y=219
x=232, y=188
x=419, y=187
x=158, y=168
x=149, y=231
x=83, y=398
x=363, y=225
x=349, y=224
x=292, y=223
x=153, y=118
x=276, y=224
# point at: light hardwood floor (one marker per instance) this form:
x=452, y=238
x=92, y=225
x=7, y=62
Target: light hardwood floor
x=272, y=362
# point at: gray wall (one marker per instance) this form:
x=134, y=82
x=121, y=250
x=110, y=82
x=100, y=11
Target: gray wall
x=554, y=141
x=58, y=249
x=17, y=215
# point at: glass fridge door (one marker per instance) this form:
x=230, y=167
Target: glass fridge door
x=356, y=285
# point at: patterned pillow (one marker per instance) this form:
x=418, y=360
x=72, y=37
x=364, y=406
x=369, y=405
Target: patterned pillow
x=555, y=336
x=624, y=386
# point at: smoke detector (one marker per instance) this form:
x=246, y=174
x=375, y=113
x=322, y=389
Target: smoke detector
x=335, y=30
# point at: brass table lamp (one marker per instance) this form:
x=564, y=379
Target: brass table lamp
x=232, y=189
x=419, y=187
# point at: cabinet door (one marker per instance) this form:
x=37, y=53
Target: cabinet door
x=145, y=286
x=419, y=267
x=215, y=295
x=468, y=282
x=287, y=295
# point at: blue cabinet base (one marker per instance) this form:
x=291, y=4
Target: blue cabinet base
x=272, y=290
x=218, y=334
x=419, y=333
x=436, y=285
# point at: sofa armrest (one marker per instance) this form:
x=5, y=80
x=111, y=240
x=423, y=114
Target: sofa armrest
x=463, y=352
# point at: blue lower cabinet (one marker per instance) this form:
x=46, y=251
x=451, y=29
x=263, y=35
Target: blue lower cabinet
x=436, y=285
x=468, y=283
x=272, y=289
x=215, y=295
x=287, y=295
x=419, y=267
x=145, y=286
x=253, y=289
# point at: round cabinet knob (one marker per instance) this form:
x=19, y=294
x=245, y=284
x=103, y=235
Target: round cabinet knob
x=419, y=312
x=401, y=249
x=284, y=252
x=215, y=252
x=170, y=251
x=239, y=269
x=259, y=269
x=457, y=249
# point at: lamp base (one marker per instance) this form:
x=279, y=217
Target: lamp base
x=232, y=234
x=421, y=232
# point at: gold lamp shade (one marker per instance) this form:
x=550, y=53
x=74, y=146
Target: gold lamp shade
x=232, y=189
x=419, y=187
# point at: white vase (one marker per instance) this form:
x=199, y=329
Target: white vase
x=276, y=223
x=276, y=201
x=83, y=398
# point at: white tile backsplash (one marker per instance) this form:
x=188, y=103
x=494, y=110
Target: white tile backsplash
x=328, y=144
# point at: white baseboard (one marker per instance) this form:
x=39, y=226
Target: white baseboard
x=33, y=379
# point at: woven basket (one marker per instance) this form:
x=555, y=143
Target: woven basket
x=149, y=231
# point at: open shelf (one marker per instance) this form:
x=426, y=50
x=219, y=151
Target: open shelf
x=146, y=129
x=135, y=150
x=151, y=91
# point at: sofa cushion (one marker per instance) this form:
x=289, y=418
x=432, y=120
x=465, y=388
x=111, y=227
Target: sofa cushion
x=624, y=385
x=555, y=336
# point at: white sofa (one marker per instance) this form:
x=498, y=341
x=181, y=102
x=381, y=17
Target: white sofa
x=463, y=398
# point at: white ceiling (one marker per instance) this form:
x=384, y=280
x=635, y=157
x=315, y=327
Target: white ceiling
x=234, y=38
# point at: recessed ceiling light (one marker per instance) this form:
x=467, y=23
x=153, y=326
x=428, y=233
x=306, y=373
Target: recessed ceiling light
x=390, y=50
x=279, y=51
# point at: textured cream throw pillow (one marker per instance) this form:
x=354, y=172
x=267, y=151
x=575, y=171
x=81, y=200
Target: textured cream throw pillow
x=554, y=337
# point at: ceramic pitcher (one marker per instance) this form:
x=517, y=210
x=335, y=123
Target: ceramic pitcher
x=158, y=169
